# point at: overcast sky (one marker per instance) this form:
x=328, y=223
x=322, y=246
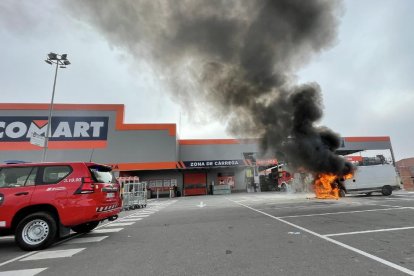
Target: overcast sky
x=366, y=77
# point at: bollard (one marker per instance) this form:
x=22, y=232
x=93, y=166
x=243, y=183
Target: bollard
x=158, y=193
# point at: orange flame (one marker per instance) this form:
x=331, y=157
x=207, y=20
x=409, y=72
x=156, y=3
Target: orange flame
x=324, y=185
x=324, y=188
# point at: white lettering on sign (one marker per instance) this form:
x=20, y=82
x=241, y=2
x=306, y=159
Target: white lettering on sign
x=197, y=164
x=63, y=129
x=213, y=163
x=2, y=125
x=16, y=130
x=81, y=129
x=226, y=163
x=96, y=127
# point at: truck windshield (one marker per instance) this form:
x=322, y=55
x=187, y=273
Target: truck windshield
x=102, y=174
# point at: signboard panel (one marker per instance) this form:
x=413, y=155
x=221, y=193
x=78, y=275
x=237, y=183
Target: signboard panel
x=37, y=140
x=214, y=163
x=17, y=132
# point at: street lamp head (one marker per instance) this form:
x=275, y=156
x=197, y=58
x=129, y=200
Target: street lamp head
x=48, y=61
x=52, y=56
x=66, y=62
x=62, y=66
x=64, y=56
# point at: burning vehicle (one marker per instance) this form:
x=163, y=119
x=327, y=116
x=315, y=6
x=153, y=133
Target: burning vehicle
x=330, y=186
x=376, y=178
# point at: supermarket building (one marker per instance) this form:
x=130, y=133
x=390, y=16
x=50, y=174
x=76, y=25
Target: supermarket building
x=83, y=132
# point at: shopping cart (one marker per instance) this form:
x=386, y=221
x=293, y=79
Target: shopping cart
x=133, y=193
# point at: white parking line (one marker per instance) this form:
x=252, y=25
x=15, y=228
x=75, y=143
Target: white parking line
x=366, y=254
x=52, y=254
x=346, y=212
x=370, y=231
x=18, y=258
x=110, y=230
x=7, y=238
x=117, y=224
x=87, y=240
x=391, y=206
x=399, y=199
x=139, y=216
x=23, y=272
x=130, y=219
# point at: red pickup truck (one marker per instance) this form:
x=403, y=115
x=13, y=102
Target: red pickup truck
x=39, y=202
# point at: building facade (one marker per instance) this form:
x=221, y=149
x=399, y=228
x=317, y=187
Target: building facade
x=151, y=151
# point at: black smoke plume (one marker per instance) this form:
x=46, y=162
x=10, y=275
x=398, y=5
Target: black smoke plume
x=236, y=59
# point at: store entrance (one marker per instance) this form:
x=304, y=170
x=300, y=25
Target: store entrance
x=195, y=184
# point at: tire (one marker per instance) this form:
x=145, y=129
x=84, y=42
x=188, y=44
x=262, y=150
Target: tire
x=86, y=227
x=386, y=190
x=36, y=231
x=342, y=193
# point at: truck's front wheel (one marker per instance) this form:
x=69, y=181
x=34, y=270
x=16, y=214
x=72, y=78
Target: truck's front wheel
x=36, y=231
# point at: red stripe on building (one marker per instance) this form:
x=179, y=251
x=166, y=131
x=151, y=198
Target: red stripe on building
x=90, y=144
x=368, y=139
x=144, y=166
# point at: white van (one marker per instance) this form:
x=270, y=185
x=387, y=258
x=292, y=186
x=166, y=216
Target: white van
x=368, y=179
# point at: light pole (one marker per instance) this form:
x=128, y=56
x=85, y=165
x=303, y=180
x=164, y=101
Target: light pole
x=60, y=61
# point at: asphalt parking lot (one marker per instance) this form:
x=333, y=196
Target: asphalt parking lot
x=239, y=234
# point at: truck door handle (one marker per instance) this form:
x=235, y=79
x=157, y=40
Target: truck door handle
x=22, y=193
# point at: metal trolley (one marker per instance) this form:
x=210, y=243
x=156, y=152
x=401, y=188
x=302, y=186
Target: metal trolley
x=133, y=193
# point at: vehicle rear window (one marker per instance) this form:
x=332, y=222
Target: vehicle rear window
x=54, y=174
x=17, y=177
x=102, y=174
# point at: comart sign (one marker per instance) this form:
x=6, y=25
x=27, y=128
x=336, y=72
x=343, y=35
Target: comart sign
x=62, y=129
